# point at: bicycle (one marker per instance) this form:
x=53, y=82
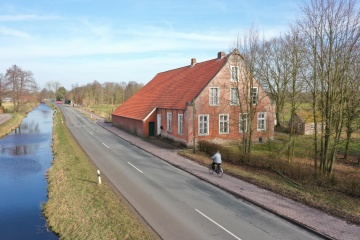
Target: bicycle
x=218, y=170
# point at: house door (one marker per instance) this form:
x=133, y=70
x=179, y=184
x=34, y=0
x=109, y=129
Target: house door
x=158, y=124
x=151, y=129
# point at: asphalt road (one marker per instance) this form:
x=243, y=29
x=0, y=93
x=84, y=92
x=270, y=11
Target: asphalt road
x=176, y=204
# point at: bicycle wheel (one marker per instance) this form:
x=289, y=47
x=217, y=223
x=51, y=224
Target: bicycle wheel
x=211, y=170
x=220, y=172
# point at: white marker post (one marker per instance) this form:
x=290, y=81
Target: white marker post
x=98, y=172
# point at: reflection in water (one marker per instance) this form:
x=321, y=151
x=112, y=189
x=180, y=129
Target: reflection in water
x=25, y=156
x=22, y=144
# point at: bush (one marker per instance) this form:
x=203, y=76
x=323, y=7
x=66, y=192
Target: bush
x=227, y=154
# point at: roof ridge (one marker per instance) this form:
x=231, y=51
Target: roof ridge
x=198, y=63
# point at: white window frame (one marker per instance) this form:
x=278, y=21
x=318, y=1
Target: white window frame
x=224, y=123
x=254, y=95
x=169, y=121
x=180, y=124
x=234, y=98
x=243, y=118
x=203, y=124
x=234, y=72
x=213, y=98
x=261, y=121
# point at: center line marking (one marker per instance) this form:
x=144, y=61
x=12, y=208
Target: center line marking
x=218, y=225
x=135, y=167
x=105, y=145
x=91, y=133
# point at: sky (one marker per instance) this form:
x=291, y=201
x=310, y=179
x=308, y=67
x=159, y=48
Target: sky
x=75, y=42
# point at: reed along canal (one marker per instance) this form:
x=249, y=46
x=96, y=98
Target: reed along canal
x=25, y=157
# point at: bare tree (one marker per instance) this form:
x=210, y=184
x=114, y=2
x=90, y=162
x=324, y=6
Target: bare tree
x=352, y=102
x=274, y=73
x=21, y=85
x=295, y=60
x=331, y=30
x=53, y=86
x=2, y=88
x=246, y=89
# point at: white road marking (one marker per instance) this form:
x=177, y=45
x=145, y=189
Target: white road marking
x=218, y=225
x=91, y=133
x=105, y=145
x=135, y=167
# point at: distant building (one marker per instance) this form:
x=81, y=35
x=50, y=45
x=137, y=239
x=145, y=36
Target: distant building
x=7, y=99
x=304, y=123
x=196, y=102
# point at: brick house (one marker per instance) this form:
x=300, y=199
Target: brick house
x=197, y=102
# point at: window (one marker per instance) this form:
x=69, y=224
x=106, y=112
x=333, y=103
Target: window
x=203, y=124
x=234, y=73
x=214, y=96
x=243, y=122
x=254, y=96
x=224, y=123
x=234, y=96
x=169, y=121
x=261, y=122
x=180, y=123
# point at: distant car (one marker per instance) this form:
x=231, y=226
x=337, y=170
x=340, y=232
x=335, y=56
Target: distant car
x=58, y=102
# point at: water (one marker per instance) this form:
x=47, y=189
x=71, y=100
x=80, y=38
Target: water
x=25, y=157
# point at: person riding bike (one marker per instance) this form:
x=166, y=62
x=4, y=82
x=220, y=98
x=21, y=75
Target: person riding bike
x=216, y=160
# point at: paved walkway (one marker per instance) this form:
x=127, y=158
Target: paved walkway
x=4, y=117
x=313, y=219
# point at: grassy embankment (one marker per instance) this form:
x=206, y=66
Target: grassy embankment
x=16, y=118
x=80, y=208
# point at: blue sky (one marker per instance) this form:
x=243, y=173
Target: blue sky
x=79, y=41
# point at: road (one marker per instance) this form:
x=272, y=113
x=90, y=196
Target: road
x=176, y=204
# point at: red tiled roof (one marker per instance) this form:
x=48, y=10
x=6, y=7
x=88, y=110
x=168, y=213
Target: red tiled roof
x=170, y=89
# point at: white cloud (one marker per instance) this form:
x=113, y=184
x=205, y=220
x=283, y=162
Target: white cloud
x=26, y=17
x=13, y=33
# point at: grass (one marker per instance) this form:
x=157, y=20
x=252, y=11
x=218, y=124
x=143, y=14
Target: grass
x=332, y=195
x=16, y=118
x=78, y=207
x=103, y=110
x=11, y=124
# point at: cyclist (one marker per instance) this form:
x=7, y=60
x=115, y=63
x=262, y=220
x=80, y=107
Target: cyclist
x=216, y=160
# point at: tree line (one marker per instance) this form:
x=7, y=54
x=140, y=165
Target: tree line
x=19, y=86
x=319, y=56
x=95, y=93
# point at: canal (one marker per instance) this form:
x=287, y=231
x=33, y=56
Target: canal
x=25, y=157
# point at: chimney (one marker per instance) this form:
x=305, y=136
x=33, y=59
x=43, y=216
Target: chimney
x=193, y=61
x=221, y=55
